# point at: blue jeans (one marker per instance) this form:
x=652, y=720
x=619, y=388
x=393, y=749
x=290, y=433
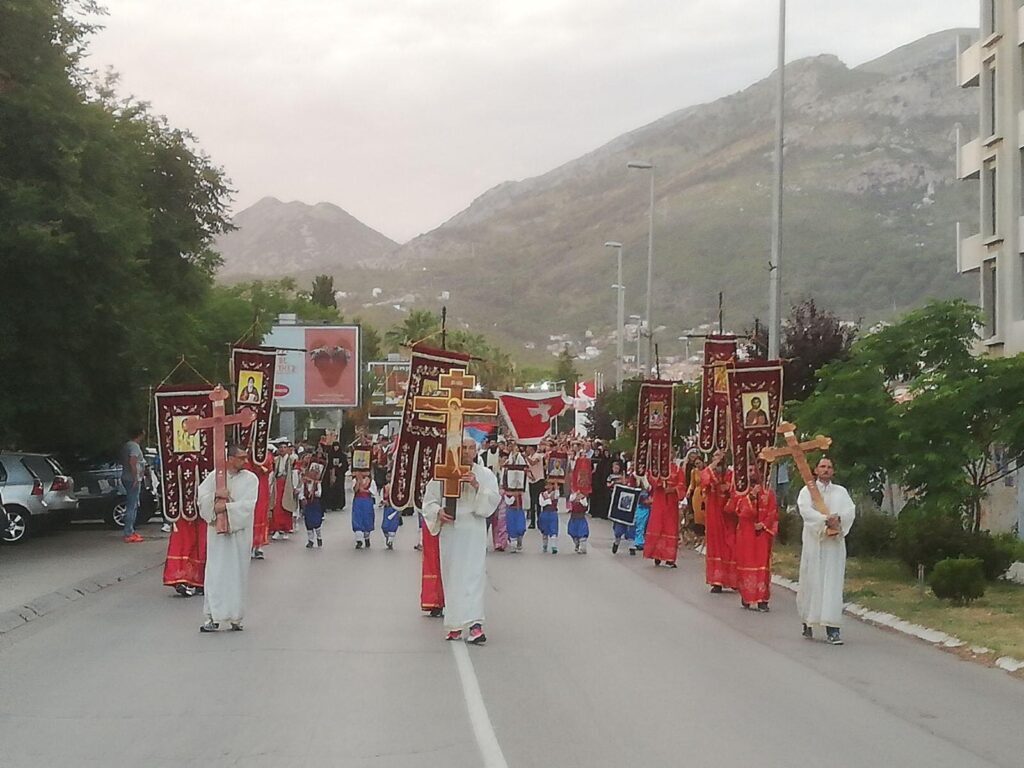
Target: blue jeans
x=131, y=506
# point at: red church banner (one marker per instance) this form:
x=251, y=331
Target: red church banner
x=185, y=459
x=719, y=356
x=421, y=440
x=253, y=372
x=755, y=405
x=654, y=428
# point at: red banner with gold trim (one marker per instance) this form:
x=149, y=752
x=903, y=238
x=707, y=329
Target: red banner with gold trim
x=185, y=459
x=755, y=405
x=421, y=440
x=719, y=356
x=252, y=371
x=653, y=455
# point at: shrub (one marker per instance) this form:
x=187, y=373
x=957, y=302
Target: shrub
x=927, y=539
x=1013, y=546
x=872, y=535
x=996, y=557
x=960, y=580
x=791, y=527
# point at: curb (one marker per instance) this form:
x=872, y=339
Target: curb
x=933, y=636
x=52, y=602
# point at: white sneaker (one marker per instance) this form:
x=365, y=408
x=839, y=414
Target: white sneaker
x=286, y=536
x=165, y=528
x=275, y=536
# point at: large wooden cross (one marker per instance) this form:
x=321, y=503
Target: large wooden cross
x=218, y=424
x=451, y=402
x=798, y=451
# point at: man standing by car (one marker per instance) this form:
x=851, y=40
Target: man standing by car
x=133, y=471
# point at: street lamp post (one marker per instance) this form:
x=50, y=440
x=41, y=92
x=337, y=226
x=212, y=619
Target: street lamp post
x=775, y=267
x=639, y=335
x=650, y=262
x=620, y=311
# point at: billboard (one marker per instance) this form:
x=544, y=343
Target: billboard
x=390, y=382
x=318, y=366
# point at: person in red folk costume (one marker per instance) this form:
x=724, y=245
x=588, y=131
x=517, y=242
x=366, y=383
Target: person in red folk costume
x=720, y=525
x=185, y=567
x=758, y=517
x=261, y=520
x=282, y=521
x=661, y=539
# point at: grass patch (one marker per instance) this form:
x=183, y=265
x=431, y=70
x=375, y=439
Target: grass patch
x=994, y=621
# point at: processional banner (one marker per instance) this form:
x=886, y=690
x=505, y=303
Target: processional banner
x=529, y=416
x=755, y=405
x=421, y=441
x=185, y=458
x=719, y=356
x=253, y=373
x=654, y=428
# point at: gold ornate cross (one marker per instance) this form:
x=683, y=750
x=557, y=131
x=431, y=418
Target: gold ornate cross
x=451, y=402
x=217, y=424
x=798, y=451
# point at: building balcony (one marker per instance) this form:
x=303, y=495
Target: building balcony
x=968, y=158
x=970, y=252
x=968, y=65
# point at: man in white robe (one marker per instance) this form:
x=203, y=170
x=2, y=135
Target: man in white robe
x=227, y=554
x=463, y=542
x=819, y=598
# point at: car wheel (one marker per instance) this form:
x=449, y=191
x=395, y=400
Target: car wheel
x=116, y=517
x=21, y=521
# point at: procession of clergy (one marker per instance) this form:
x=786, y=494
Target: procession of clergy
x=504, y=493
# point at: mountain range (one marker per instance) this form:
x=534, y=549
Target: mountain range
x=871, y=201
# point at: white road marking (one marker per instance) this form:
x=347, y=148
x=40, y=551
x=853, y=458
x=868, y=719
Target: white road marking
x=486, y=739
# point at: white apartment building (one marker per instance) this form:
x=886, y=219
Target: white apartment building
x=993, y=154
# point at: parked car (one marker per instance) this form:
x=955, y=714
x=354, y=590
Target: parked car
x=36, y=490
x=101, y=494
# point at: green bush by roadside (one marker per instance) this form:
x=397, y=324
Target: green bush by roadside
x=960, y=580
x=928, y=539
x=872, y=535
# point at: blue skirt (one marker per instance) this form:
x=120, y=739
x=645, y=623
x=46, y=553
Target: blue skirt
x=313, y=514
x=362, y=514
x=390, y=520
x=548, y=522
x=578, y=528
x=515, y=522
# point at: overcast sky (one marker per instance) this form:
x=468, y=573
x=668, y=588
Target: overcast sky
x=403, y=111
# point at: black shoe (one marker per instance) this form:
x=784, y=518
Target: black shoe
x=210, y=626
x=236, y=626
x=532, y=526
x=367, y=542
x=359, y=545
x=320, y=543
x=615, y=547
x=182, y=590
x=309, y=545
x=832, y=636
x=632, y=552
x=436, y=613
x=745, y=605
x=716, y=589
x=671, y=564
x=808, y=632
x=657, y=562
x=258, y=554
x=389, y=544
x=763, y=607
x=199, y=591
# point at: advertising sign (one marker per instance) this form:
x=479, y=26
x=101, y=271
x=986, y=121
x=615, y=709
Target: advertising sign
x=317, y=366
x=390, y=383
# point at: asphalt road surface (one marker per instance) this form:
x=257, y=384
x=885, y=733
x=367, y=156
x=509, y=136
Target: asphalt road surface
x=591, y=661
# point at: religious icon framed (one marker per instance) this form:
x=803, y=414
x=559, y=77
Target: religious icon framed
x=361, y=458
x=624, y=502
x=557, y=466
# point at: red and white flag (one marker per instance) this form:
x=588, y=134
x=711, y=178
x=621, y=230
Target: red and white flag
x=586, y=390
x=530, y=415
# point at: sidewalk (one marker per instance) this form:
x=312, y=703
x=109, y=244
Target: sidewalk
x=56, y=567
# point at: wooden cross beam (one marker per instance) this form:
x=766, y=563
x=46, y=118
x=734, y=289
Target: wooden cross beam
x=451, y=402
x=218, y=424
x=798, y=451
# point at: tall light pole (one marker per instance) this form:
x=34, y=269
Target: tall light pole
x=620, y=312
x=639, y=335
x=650, y=263
x=775, y=267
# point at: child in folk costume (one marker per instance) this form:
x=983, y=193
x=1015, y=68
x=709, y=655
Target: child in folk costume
x=579, y=528
x=619, y=530
x=548, y=518
x=362, y=509
x=758, y=524
x=310, y=495
x=390, y=519
x=513, y=483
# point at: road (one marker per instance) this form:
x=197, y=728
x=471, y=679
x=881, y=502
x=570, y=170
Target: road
x=592, y=661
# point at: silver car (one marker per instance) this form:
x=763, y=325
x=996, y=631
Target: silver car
x=35, y=490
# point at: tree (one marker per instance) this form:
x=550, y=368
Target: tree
x=419, y=325
x=322, y=293
x=565, y=371
x=811, y=338
x=915, y=404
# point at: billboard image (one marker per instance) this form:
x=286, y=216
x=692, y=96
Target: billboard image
x=317, y=366
x=390, y=382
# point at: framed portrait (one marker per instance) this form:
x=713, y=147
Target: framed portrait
x=558, y=466
x=250, y=388
x=183, y=441
x=656, y=415
x=361, y=458
x=755, y=410
x=623, y=505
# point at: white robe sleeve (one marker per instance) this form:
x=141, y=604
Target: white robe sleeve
x=841, y=504
x=207, y=490
x=432, y=505
x=244, y=488
x=814, y=521
x=487, y=495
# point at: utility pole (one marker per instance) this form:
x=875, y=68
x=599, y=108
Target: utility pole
x=775, y=267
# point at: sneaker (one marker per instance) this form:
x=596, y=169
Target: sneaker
x=615, y=547
x=671, y=564
x=807, y=632
x=763, y=607
x=544, y=548
x=455, y=634
x=309, y=545
x=436, y=613
x=418, y=547
x=165, y=528
x=577, y=545
x=519, y=546
x=198, y=590
x=236, y=626
x=476, y=635
x=632, y=551
x=716, y=589
x=182, y=590
x=389, y=544
x=367, y=542
x=258, y=554
x=210, y=626
x=320, y=543
x=554, y=550
x=275, y=536
x=583, y=548
x=359, y=545
x=286, y=536
x=657, y=562
x=832, y=636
